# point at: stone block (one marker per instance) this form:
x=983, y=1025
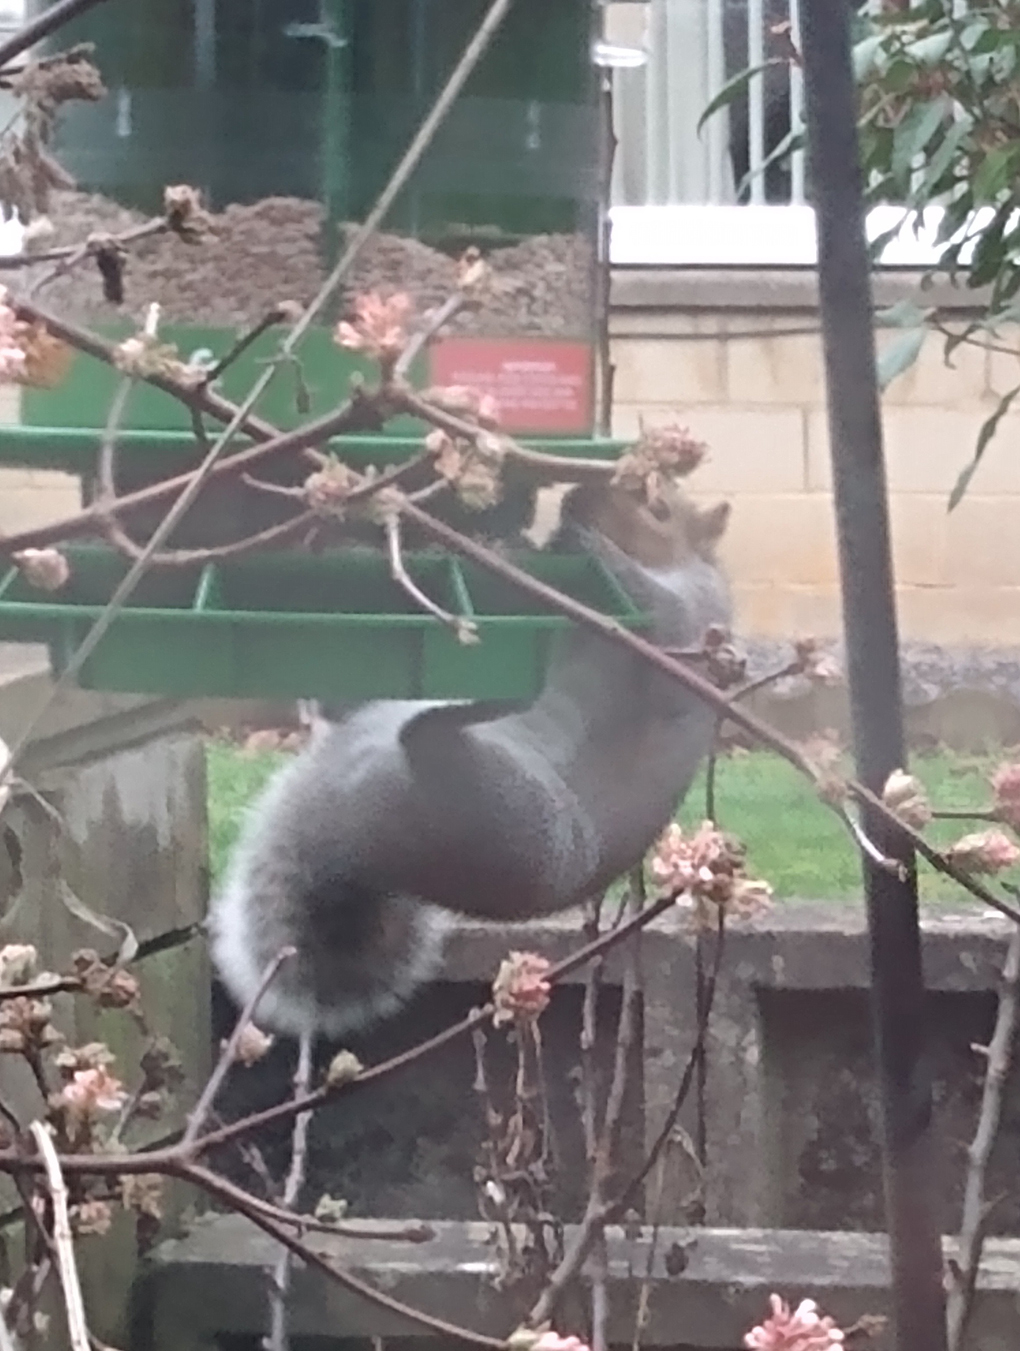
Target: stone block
x=766, y=611
x=34, y=497
x=919, y=528
x=670, y=370
x=776, y=368
x=960, y=614
x=781, y=539
x=983, y=541
x=211, y=1284
x=926, y=449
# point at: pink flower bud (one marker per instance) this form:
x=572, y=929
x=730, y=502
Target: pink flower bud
x=986, y=851
x=905, y=796
x=804, y=1329
x=1006, y=787
x=47, y=569
x=521, y=989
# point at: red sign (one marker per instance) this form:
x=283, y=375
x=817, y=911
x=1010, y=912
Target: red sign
x=543, y=386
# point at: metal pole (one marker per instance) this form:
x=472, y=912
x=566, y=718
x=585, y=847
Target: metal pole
x=869, y=618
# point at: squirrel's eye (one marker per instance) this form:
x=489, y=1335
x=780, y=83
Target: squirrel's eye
x=659, y=509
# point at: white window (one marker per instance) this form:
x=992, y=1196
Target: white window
x=715, y=198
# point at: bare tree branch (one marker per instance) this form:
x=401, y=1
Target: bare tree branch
x=197, y=1118
x=77, y=1328
x=279, y=1279
x=975, y=1209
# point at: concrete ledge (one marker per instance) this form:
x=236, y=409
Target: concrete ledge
x=212, y=1282
x=745, y=288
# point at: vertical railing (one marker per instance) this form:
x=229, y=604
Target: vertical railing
x=756, y=100
x=798, y=159
x=694, y=47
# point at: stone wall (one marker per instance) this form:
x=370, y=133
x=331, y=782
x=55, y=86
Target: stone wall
x=737, y=356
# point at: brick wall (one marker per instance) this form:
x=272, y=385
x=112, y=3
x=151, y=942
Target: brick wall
x=682, y=350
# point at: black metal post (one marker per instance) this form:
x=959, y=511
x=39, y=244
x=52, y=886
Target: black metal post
x=869, y=619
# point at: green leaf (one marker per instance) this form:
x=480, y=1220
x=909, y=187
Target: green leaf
x=941, y=160
x=990, y=249
x=995, y=173
x=732, y=88
x=793, y=140
x=930, y=50
x=915, y=131
x=867, y=54
x=904, y=314
x=988, y=430
x=900, y=355
x=878, y=245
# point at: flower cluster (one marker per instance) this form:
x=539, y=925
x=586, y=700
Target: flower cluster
x=521, y=989
x=18, y=965
x=327, y=490
x=906, y=796
x=110, y=986
x=92, y=1092
x=46, y=569
x=12, y=341
x=817, y=666
x=707, y=866
x=252, y=1045
x=660, y=455
x=463, y=401
x=985, y=851
x=182, y=205
x=543, y=1339
x=1006, y=787
x=379, y=327
x=802, y=1329
x=26, y=1026
x=473, y=467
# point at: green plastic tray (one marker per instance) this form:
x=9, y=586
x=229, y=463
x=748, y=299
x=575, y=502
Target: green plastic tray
x=333, y=626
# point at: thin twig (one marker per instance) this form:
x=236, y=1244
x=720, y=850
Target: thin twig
x=77, y=254
x=973, y=1222
x=542, y=465
x=435, y=321
x=52, y=19
x=592, y=1225
x=413, y=1232
x=197, y=1118
x=630, y=1194
x=463, y=629
x=239, y=1200
x=279, y=1279
x=946, y=814
x=169, y=1157
x=77, y=1328
x=269, y=320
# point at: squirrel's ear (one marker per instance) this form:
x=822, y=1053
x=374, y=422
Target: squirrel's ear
x=711, y=523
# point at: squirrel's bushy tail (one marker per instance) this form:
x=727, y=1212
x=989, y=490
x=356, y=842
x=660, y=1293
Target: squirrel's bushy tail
x=360, y=953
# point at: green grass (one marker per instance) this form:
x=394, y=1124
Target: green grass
x=234, y=778
x=793, y=841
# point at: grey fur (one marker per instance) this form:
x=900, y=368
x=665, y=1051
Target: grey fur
x=406, y=811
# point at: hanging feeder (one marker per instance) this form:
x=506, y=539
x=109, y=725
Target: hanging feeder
x=214, y=97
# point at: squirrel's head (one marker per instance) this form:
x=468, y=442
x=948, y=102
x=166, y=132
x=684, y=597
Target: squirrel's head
x=661, y=534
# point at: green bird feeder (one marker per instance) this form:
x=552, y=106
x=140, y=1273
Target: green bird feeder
x=289, y=116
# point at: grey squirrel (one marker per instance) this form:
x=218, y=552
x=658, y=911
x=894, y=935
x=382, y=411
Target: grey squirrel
x=404, y=813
